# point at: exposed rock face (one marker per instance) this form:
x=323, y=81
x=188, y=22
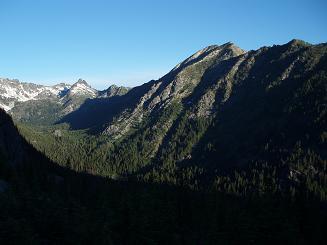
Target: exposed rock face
x=81, y=87
x=175, y=86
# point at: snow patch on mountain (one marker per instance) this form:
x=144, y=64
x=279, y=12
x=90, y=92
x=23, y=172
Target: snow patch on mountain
x=15, y=93
x=21, y=92
x=82, y=88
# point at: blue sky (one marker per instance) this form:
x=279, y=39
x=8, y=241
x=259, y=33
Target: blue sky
x=131, y=42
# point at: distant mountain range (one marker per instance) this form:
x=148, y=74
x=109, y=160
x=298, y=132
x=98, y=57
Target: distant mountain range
x=47, y=104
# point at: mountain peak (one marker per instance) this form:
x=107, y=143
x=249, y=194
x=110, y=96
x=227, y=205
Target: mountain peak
x=81, y=87
x=228, y=45
x=113, y=90
x=218, y=51
x=82, y=81
x=236, y=49
x=113, y=86
x=297, y=42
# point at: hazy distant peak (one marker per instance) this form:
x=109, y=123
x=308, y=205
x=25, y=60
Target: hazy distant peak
x=113, y=86
x=82, y=81
x=113, y=90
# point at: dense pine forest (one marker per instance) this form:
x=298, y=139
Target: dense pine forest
x=48, y=204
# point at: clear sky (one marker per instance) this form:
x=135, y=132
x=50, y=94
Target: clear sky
x=131, y=42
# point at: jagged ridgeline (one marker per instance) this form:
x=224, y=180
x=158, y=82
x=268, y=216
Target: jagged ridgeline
x=236, y=121
x=44, y=105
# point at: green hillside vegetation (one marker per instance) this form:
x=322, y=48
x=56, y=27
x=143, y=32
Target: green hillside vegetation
x=45, y=203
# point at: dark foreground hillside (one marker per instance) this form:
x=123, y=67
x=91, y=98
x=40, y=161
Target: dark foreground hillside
x=42, y=203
